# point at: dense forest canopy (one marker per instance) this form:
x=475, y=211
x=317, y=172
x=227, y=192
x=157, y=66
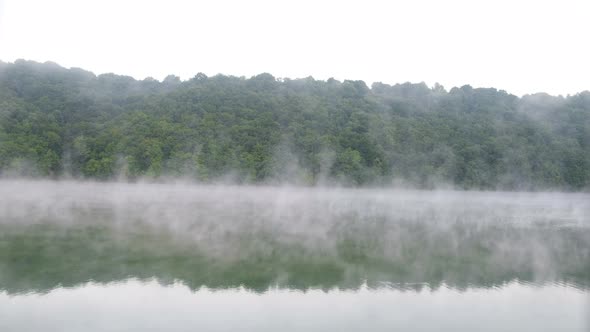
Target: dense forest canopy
x=57, y=122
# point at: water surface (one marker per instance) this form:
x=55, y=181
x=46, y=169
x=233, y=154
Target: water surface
x=179, y=257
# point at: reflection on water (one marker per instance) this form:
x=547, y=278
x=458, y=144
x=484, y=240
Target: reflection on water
x=148, y=306
x=286, y=258
x=41, y=257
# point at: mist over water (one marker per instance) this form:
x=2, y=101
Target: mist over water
x=60, y=240
x=299, y=237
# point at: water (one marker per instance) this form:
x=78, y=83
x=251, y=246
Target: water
x=180, y=257
x=148, y=306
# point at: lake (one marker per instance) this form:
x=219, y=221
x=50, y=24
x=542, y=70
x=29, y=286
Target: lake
x=84, y=256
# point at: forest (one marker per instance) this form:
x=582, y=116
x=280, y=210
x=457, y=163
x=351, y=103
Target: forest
x=70, y=123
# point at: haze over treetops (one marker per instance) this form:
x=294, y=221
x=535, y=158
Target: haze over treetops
x=57, y=122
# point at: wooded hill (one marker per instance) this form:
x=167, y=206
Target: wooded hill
x=58, y=122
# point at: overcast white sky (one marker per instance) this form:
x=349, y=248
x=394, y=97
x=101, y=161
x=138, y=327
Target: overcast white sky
x=522, y=46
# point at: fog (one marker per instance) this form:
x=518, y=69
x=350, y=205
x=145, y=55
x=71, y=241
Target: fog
x=260, y=237
x=185, y=204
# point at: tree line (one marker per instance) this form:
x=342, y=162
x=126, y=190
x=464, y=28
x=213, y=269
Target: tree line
x=57, y=122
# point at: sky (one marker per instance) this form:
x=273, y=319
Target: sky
x=521, y=46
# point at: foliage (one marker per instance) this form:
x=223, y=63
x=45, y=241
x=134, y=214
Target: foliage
x=68, y=122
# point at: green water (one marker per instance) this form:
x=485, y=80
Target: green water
x=123, y=257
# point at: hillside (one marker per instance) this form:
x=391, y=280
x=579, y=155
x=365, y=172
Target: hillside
x=58, y=122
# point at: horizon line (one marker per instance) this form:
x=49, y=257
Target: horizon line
x=281, y=79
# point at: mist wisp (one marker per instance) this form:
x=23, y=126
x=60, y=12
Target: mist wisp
x=68, y=232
